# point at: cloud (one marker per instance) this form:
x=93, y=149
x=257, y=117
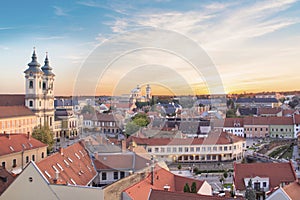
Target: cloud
x=51, y=38
x=6, y=28
x=60, y=11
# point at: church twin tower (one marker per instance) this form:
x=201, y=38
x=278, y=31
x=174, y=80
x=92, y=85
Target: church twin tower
x=39, y=95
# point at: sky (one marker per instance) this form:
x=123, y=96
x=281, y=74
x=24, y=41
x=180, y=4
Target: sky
x=109, y=47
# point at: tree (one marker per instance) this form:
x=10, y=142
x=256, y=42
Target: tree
x=194, y=188
x=141, y=119
x=88, y=109
x=225, y=174
x=179, y=167
x=45, y=135
x=250, y=193
x=186, y=188
x=131, y=128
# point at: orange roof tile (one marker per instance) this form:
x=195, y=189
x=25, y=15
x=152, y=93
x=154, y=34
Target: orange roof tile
x=162, y=177
x=12, y=143
x=15, y=111
x=293, y=190
x=268, y=121
x=272, y=170
x=233, y=122
x=73, y=164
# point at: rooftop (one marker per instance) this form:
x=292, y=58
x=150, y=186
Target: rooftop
x=73, y=166
x=13, y=143
x=15, y=111
x=272, y=170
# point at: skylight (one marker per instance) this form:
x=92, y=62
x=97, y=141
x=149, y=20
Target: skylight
x=60, y=167
x=11, y=148
x=77, y=155
x=47, y=174
x=73, y=181
x=70, y=159
x=66, y=162
x=54, y=168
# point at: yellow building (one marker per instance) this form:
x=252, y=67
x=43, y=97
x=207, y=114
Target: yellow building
x=17, y=119
x=17, y=150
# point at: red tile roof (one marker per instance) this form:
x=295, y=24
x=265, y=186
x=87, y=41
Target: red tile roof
x=15, y=111
x=162, y=177
x=293, y=190
x=13, y=143
x=5, y=179
x=268, y=121
x=297, y=119
x=12, y=100
x=277, y=173
x=213, y=138
x=167, y=195
x=103, y=117
x=233, y=122
x=73, y=164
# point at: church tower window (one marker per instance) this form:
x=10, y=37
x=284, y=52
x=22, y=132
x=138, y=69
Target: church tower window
x=30, y=84
x=30, y=103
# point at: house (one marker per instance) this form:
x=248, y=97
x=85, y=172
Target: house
x=234, y=126
x=32, y=184
x=71, y=165
x=114, y=166
x=6, y=179
x=162, y=179
x=296, y=122
x=218, y=146
x=288, y=192
x=17, y=119
x=281, y=127
x=256, y=127
x=264, y=176
x=108, y=123
x=267, y=112
x=69, y=123
x=17, y=150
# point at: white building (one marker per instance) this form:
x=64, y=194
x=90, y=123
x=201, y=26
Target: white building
x=39, y=95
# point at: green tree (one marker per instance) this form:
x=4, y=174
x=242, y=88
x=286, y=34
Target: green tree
x=225, y=174
x=230, y=113
x=88, y=109
x=131, y=128
x=141, y=119
x=250, y=193
x=186, y=188
x=45, y=135
x=194, y=188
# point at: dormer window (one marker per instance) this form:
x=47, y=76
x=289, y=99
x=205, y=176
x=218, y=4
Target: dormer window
x=30, y=84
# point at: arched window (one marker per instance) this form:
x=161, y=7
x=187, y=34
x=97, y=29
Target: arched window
x=33, y=158
x=42, y=154
x=44, y=86
x=30, y=84
x=30, y=103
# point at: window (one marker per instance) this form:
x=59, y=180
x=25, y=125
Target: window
x=30, y=84
x=162, y=150
x=44, y=86
x=40, y=103
x=180, y=149
x=14, y=163
x=220, y=148
x=27, y=159
x=208, y=157
x=192, y=149
x=33, y=158
x=186, y=149
x=30, y=103
x=168, y=149
x=214, y=157
x=197, y=149
x=42, y=154
x=156, y=150
x=174, y=149
x=40, y=84
x=103, y=176
x=203, y=149
x=116, y=175
x=208, y=148
x=3, y=164
x=229, y=148
x=122, y=175
x=149, y=150
x=264, y=184
x=214, y=148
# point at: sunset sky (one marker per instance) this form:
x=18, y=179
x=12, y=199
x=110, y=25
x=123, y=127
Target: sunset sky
x=108, y=47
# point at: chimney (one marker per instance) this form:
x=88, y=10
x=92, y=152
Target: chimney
x=55, y=180
x=123, y=145
x=28, y=135
x=61, y=151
